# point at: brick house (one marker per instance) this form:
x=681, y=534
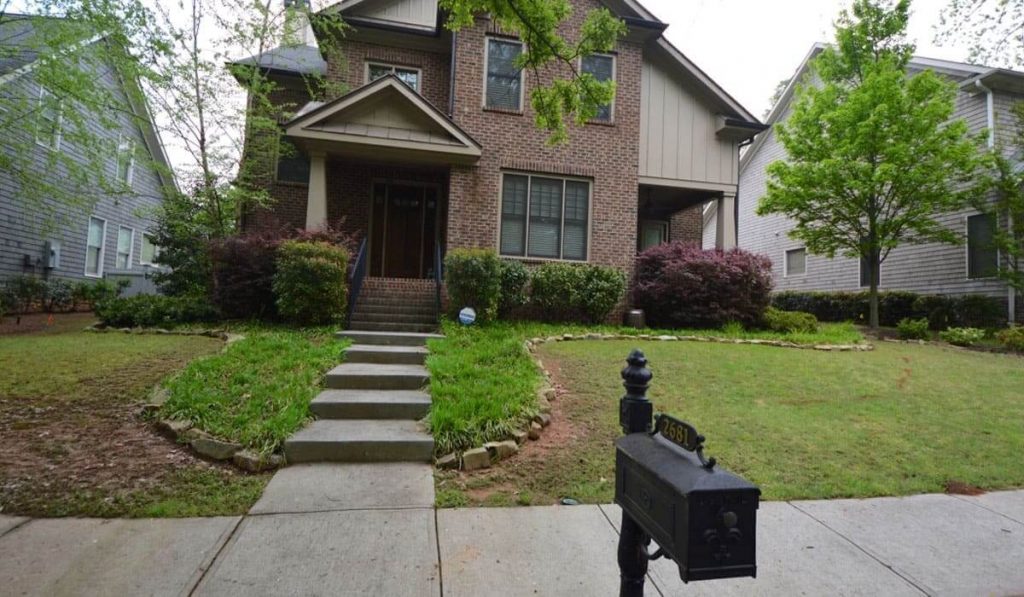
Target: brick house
x=434, y=146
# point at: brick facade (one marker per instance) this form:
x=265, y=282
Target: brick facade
x=434, y=68
x=687, y=225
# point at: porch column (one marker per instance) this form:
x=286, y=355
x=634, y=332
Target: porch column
x=725, y=219
x=316, y=204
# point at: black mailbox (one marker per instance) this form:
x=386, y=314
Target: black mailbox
x=702, y=517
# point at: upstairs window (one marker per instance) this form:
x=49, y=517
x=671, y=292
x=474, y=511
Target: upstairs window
x=409, y=76
x=150, y=252
x=796, y=262
x=544, y=217
x=48, y=122
x=982, y=255
x=125, y=241
x=602, y=67
x=292, y=164
x=503, y=87
x=125, y=160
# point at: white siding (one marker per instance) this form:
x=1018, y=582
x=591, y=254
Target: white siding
x=420, y=13
x=677, y=132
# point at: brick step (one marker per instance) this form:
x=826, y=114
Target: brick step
x=401, y=309
x=360, y=440
x=393, y=317
x=387, y=338
x=397, y=301
x=386, y=355
x=371, y=376
x=371, y=404
x=420, y=328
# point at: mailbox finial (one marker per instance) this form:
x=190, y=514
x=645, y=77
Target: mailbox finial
x=635, y=410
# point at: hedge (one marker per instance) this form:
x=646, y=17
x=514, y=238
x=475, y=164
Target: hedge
x=893, y=306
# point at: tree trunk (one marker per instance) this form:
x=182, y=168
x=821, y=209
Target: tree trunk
x=874, y=264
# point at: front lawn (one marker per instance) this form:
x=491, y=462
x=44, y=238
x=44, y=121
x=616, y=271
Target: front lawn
x=483, y=383
x=257, y=392
x=902, y=419
x=72, y=441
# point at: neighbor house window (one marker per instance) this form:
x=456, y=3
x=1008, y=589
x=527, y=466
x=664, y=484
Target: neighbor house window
x=125, y=159
x=652, y=234
x=94, y=247
x=125, y=240
x=503, y=87
x=409, y=76
x=602, y=67
x=149, y=251
x=982, y=255
x=544, y=217
x=49, y=120
x=796, y=262
x=292, y=165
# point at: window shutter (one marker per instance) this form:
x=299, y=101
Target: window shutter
x=513, y=215
x=545, y=217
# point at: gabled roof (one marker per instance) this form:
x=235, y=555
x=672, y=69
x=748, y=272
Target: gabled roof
x=965, y=73
x=300, y=59
x=385, y=116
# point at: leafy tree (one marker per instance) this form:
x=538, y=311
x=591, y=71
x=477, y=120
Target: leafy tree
x=576, y=97
x=780, y=88
x=873, y=156
x=994, y=28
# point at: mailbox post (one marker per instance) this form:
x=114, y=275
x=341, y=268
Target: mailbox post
x=701, y=517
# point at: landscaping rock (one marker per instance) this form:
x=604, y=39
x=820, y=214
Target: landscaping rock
x=544, y=405
x=534, y=432
x=448, y=461
x=476, y=458
x=519, y=436
x=501, y=450
x=549, y=393
x=173, y=428
x=215, y=448
x=543, y=418
x=251, y=461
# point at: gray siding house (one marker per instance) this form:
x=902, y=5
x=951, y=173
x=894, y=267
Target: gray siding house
x=108, y=237
x=984, y=102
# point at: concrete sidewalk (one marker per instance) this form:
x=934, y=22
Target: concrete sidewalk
x=928, y=544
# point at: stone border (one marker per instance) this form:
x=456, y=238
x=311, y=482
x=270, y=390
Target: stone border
x=532, y=343
x=209, y=333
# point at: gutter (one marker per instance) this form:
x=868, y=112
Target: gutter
x=990, y=115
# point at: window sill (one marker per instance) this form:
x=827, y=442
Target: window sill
x=289, y=183
x=608, y=123
x=98, y=276
x=503, y=111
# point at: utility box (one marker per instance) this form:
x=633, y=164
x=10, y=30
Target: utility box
x=704, y=518
x=51, y=254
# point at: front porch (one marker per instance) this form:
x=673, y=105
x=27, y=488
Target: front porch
x=667, y=213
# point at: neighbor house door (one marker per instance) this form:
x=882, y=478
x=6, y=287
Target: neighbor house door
x=404, y=230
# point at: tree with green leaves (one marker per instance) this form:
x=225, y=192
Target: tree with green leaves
x=873, y=156
x=994, y=29
x=571, y=95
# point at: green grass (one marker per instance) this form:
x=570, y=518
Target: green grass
x=258, y=391
x=483, y=383
x=900, y=420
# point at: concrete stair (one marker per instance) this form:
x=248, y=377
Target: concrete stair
x=391, y=326
x=372, y=407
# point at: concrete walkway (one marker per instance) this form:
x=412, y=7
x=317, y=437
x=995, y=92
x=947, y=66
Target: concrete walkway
x=338, y=542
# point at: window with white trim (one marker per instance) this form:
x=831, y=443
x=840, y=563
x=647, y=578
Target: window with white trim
x=95, y=239
x=503, y=84
x=982, y=254
x=48, y=120
x=602, y=67
x=124, y=159
x=409, y=76
x=796, y=262
x=544, y=217
x=150, y=252
x=125, y=241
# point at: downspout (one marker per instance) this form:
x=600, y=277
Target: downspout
x=990, y=115
x=451, y=78
x=736, y=202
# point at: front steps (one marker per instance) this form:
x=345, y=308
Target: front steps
x=395, y=305
x=372, y=407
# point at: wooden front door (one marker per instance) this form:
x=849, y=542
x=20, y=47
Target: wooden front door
x=404, y=230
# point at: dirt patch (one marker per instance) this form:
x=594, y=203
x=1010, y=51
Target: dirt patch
x=34, y=323
x=960, y=488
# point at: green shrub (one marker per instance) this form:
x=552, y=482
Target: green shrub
x=99, y=291
x=602, y=289
x=309, y=282
x=57, y=296
x=778, y=320
x=962, y=336
x=573, y=292
x=894, y=306
x=22, y=293
x=1012, y=338
x=473, y=279
x=515, y=278
x=154, y=310
x=913, y=329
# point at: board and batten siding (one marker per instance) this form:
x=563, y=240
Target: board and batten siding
x=420, y=13
x=931, y=268
x=24, y=228
x=677, y=132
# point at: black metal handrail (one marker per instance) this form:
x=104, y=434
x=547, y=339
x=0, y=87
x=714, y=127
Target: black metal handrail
x=438, y=280
x=355, y=283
